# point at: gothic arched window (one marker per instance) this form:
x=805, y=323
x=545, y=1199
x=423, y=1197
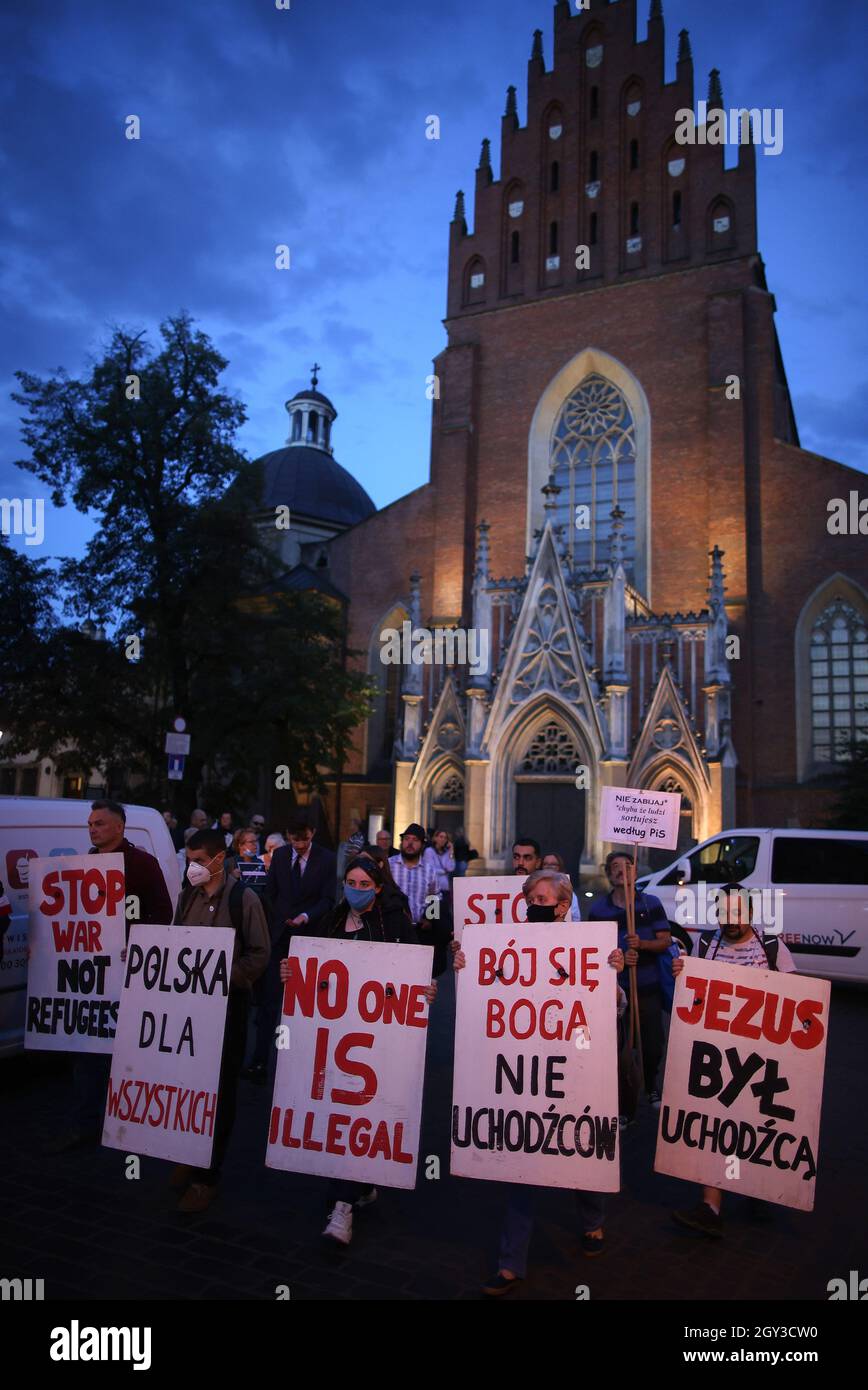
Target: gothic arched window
x=839, y=682
x=593, y=459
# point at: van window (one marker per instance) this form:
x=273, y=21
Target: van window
x=800, y=859
x=723, y=861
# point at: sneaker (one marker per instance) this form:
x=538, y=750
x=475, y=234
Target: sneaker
x=701, y=1218
x=256, y=1074
x=340, y=1224
x=499, y=1284
x=198, y=1197
x=593, y=1245
x=73, y=1139
x=367, y=1199
x=655, y=1098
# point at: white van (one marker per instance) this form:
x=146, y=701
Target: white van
x=35, y=827
x=815, y=886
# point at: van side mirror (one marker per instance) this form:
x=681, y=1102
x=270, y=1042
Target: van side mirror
x=682, y=870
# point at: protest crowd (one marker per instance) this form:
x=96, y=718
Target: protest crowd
x=301, y=931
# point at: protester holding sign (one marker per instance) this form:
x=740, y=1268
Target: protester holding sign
x=146, y=900
x=165, y=1074
x=735, y=942
x=650, y=939
x=548, y=895
x=368, y=913
x=211, y=899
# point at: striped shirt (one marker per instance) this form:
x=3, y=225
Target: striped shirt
x=749, y=952
x=418, y=881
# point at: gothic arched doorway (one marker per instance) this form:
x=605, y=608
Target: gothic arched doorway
x=548, y=805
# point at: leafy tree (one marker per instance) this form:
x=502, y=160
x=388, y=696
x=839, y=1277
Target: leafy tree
x=178, y=574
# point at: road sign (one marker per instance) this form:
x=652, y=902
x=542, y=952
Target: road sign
x=176, y=768
x=178, y=744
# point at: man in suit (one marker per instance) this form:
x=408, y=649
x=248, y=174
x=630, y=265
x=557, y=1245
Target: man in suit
x=299, y=892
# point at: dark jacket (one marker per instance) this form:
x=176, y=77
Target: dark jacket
x=316, y=896
x=387, y=919
x=143, y=879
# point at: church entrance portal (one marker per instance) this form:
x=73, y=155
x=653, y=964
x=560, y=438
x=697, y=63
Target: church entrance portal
x=554, y=814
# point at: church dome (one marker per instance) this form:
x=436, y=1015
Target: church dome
x=304, y=475
x=313, y=484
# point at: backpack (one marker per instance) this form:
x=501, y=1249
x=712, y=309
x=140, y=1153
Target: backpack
x=769, y=944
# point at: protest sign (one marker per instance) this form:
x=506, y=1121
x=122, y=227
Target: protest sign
x=162, y=1094
x=744, y=1081
x=497, y=898
x=634, y=817
x=75, y=972
x=348, y=1090
x=535, y=1088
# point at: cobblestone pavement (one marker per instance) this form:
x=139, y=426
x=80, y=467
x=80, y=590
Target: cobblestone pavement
x=78, y=1223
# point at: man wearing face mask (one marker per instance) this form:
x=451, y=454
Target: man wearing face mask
x=548, y=896
x=210, y=899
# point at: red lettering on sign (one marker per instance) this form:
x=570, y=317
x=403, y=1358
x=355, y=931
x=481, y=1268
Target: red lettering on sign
x=366, y=1075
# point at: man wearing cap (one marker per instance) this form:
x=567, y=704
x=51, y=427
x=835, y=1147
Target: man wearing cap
x=414, y=870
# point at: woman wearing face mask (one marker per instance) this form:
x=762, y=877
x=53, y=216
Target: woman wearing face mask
x=548, y=895
x=368, y=912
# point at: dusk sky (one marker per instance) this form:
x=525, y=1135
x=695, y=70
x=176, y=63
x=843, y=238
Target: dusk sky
x=262, y=126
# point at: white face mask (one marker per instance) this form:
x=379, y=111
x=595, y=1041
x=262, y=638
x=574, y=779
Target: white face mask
x=198, y=874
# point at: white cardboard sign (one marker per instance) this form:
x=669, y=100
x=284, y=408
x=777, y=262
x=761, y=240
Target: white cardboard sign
x=632, y=817
x=535, y=1087
x=162, y=1094
x=77, y=931
x=744, y=1081
x=493, y=899
x=348, y=1090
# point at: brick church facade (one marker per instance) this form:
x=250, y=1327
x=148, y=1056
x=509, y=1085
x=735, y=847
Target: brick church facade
x=617, y=492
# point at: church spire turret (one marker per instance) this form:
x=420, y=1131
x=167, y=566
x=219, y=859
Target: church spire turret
x=536, y=55
x=717, y=678
x=685, y=54
x=511, y=113
x=715, y=91
x=656, y=11
x=616, y=539
x=485, y=161
x=459, y=216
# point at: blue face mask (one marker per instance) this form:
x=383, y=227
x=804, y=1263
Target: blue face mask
x=360, y=899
